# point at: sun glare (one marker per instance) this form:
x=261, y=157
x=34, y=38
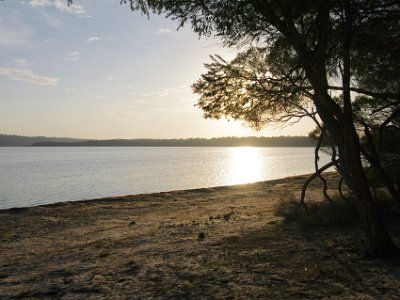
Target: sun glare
x=244, y=165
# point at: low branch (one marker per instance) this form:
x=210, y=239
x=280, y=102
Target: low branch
x=386, y=95
x=310, y=179
x=386, y=106
x=316, y=155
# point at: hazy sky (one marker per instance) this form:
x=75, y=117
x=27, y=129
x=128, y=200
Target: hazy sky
x=98, y=70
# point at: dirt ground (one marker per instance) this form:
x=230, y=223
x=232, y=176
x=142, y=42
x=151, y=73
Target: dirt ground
x=214, y=243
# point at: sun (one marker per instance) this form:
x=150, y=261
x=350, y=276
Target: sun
x=244, y=165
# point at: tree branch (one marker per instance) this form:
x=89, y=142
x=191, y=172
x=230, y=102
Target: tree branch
x=310, y=179
x=385, y=95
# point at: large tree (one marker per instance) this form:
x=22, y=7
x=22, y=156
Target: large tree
x=316, y=56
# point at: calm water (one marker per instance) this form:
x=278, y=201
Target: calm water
x=33, y=176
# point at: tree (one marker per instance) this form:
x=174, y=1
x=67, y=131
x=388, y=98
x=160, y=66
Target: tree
x=314, y=55
x=253, y=89
x=377, y=67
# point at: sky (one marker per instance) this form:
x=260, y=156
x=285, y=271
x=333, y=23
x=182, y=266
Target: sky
x=98, y=70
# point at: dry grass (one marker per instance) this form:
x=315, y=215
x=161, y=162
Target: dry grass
x=337, y=212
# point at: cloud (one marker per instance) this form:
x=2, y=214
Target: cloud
x=100, y=97
x=124, y=111
x=27, y=75
x=163, y=30
x=70, y=89
x=49, y=40
x=51, y=19
x=133, y=93
x=14, y=31
x=73, y=56
x=190, y=108
x=15, y=37
x=60, y=5
x=35, y=3
x=20, y=62
x=163, y=92
x=160, y=93
x=93, y=39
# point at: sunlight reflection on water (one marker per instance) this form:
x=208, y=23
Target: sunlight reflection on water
x=33, y=176
x=244, y=165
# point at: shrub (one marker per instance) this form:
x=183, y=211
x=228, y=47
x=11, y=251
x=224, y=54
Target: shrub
x=339, y=212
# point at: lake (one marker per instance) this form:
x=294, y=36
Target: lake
x=35, y=176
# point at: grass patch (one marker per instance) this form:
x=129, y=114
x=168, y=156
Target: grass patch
x=339, y=212
x=104, y=253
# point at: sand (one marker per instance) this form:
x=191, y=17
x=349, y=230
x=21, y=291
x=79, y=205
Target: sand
x=213, y=243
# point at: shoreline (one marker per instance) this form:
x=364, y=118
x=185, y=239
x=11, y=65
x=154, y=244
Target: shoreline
x=212, y=243
x=117, y=198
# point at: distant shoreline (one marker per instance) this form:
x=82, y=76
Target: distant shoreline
x=161, y=146
x=281, y=141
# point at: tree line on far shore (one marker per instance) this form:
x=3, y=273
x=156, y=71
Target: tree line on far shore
x=298, y=141
x=281, y=141
x=11, y=140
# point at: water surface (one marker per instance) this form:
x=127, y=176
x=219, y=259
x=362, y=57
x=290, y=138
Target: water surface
x=34, y=176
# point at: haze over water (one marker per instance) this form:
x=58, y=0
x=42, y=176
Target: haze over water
x=35, y=176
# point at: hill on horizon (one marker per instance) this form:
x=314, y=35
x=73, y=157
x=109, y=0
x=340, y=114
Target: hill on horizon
x=42, y=141
x=12, y=140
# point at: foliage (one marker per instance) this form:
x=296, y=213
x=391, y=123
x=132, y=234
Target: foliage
x=255, y=88
x=338, y=213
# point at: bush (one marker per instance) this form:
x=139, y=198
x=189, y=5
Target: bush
x=387, y=206
x=323, y=213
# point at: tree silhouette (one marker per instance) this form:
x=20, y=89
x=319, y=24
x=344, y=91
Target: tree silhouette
x=321, y=58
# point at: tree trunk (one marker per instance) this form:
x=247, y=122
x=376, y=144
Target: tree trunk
x=373, y=158
x=379, y=243
x=337, y=120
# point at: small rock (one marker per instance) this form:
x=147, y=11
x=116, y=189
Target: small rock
x=201, y=236
x=131, y=223
x=228, y=216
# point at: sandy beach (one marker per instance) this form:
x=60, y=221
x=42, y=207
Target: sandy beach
x=212, y=243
